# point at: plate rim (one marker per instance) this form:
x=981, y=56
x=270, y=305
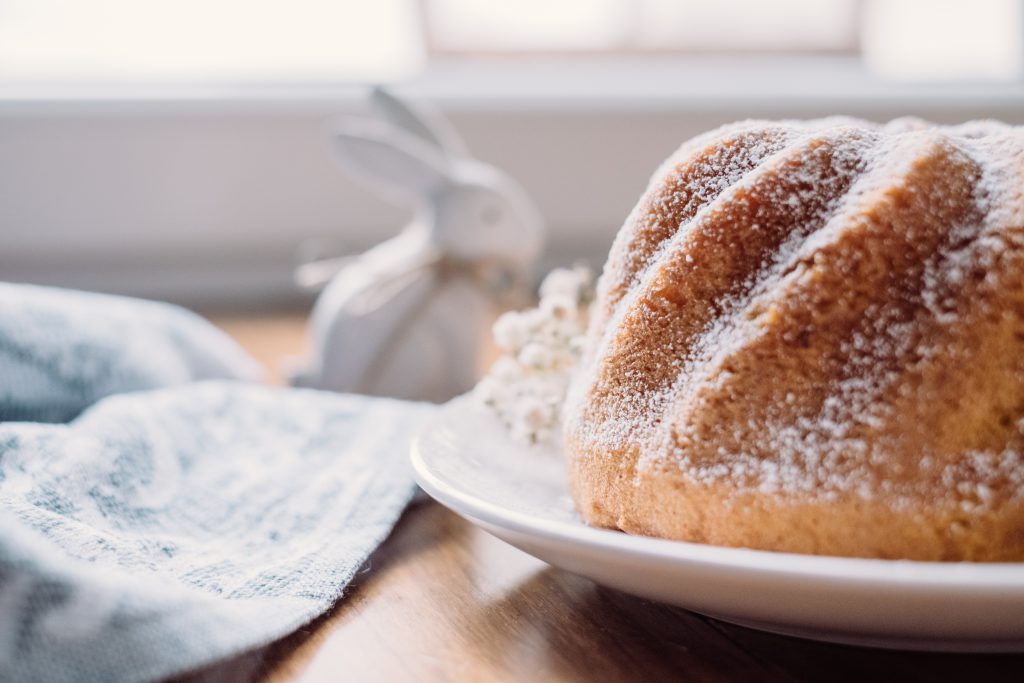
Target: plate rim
x=914, y=575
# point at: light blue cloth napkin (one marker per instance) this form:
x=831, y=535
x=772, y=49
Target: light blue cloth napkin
x=63, y=350
x=162, y=530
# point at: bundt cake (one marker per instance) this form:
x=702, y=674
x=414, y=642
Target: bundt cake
x=809, y=337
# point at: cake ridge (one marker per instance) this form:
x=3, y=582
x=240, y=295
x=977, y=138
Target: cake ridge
x=772, y=167
x=856, y=367
x=787, y=285
x=634, y=236
x=791, y=132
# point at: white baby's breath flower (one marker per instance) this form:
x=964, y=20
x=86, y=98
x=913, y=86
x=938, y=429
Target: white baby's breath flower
x=536, y=356
x=526, y=386
x=505, y=369
x=511, y=331
x=573, y=283
x=576, y=346
x=560, y=306
x=533, y=413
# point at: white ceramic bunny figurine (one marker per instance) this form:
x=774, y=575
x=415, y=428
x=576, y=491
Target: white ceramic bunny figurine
x=410, y=318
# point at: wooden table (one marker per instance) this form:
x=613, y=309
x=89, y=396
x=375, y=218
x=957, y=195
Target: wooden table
x=441, y=600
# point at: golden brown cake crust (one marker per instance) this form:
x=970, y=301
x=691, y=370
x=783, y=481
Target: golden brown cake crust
x=809, y=337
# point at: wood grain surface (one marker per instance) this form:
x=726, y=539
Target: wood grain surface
x=441, y=600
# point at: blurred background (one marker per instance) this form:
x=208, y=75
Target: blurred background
x=179, y=150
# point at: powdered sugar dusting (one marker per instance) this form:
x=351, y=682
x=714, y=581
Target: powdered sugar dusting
x=842, y=252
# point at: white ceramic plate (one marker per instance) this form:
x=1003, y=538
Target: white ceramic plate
x=467, y=461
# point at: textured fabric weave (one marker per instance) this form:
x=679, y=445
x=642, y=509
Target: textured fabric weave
x=63, y=350
x=162, y=530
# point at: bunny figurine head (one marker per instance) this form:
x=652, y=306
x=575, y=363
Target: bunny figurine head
x=409, y=318
x=473, y=210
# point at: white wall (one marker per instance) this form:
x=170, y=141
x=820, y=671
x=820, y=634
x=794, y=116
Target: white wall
x=202, y=197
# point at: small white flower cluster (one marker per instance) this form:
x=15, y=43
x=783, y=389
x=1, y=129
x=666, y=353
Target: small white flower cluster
x=541, y=346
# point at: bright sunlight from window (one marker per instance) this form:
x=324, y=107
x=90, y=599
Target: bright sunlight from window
x=204, y=40
x=304, y=41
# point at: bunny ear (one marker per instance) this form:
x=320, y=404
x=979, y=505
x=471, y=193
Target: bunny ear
x=419, y=120
x=392, y=160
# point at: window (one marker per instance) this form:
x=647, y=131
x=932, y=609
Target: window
x=641, y=26
x=139, y=41
x=302, y=41
x=181, y=149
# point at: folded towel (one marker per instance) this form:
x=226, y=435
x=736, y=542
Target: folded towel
x=62, y=350
x=162, y=530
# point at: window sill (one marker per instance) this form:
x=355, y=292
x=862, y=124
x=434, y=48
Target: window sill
x=200, y=194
